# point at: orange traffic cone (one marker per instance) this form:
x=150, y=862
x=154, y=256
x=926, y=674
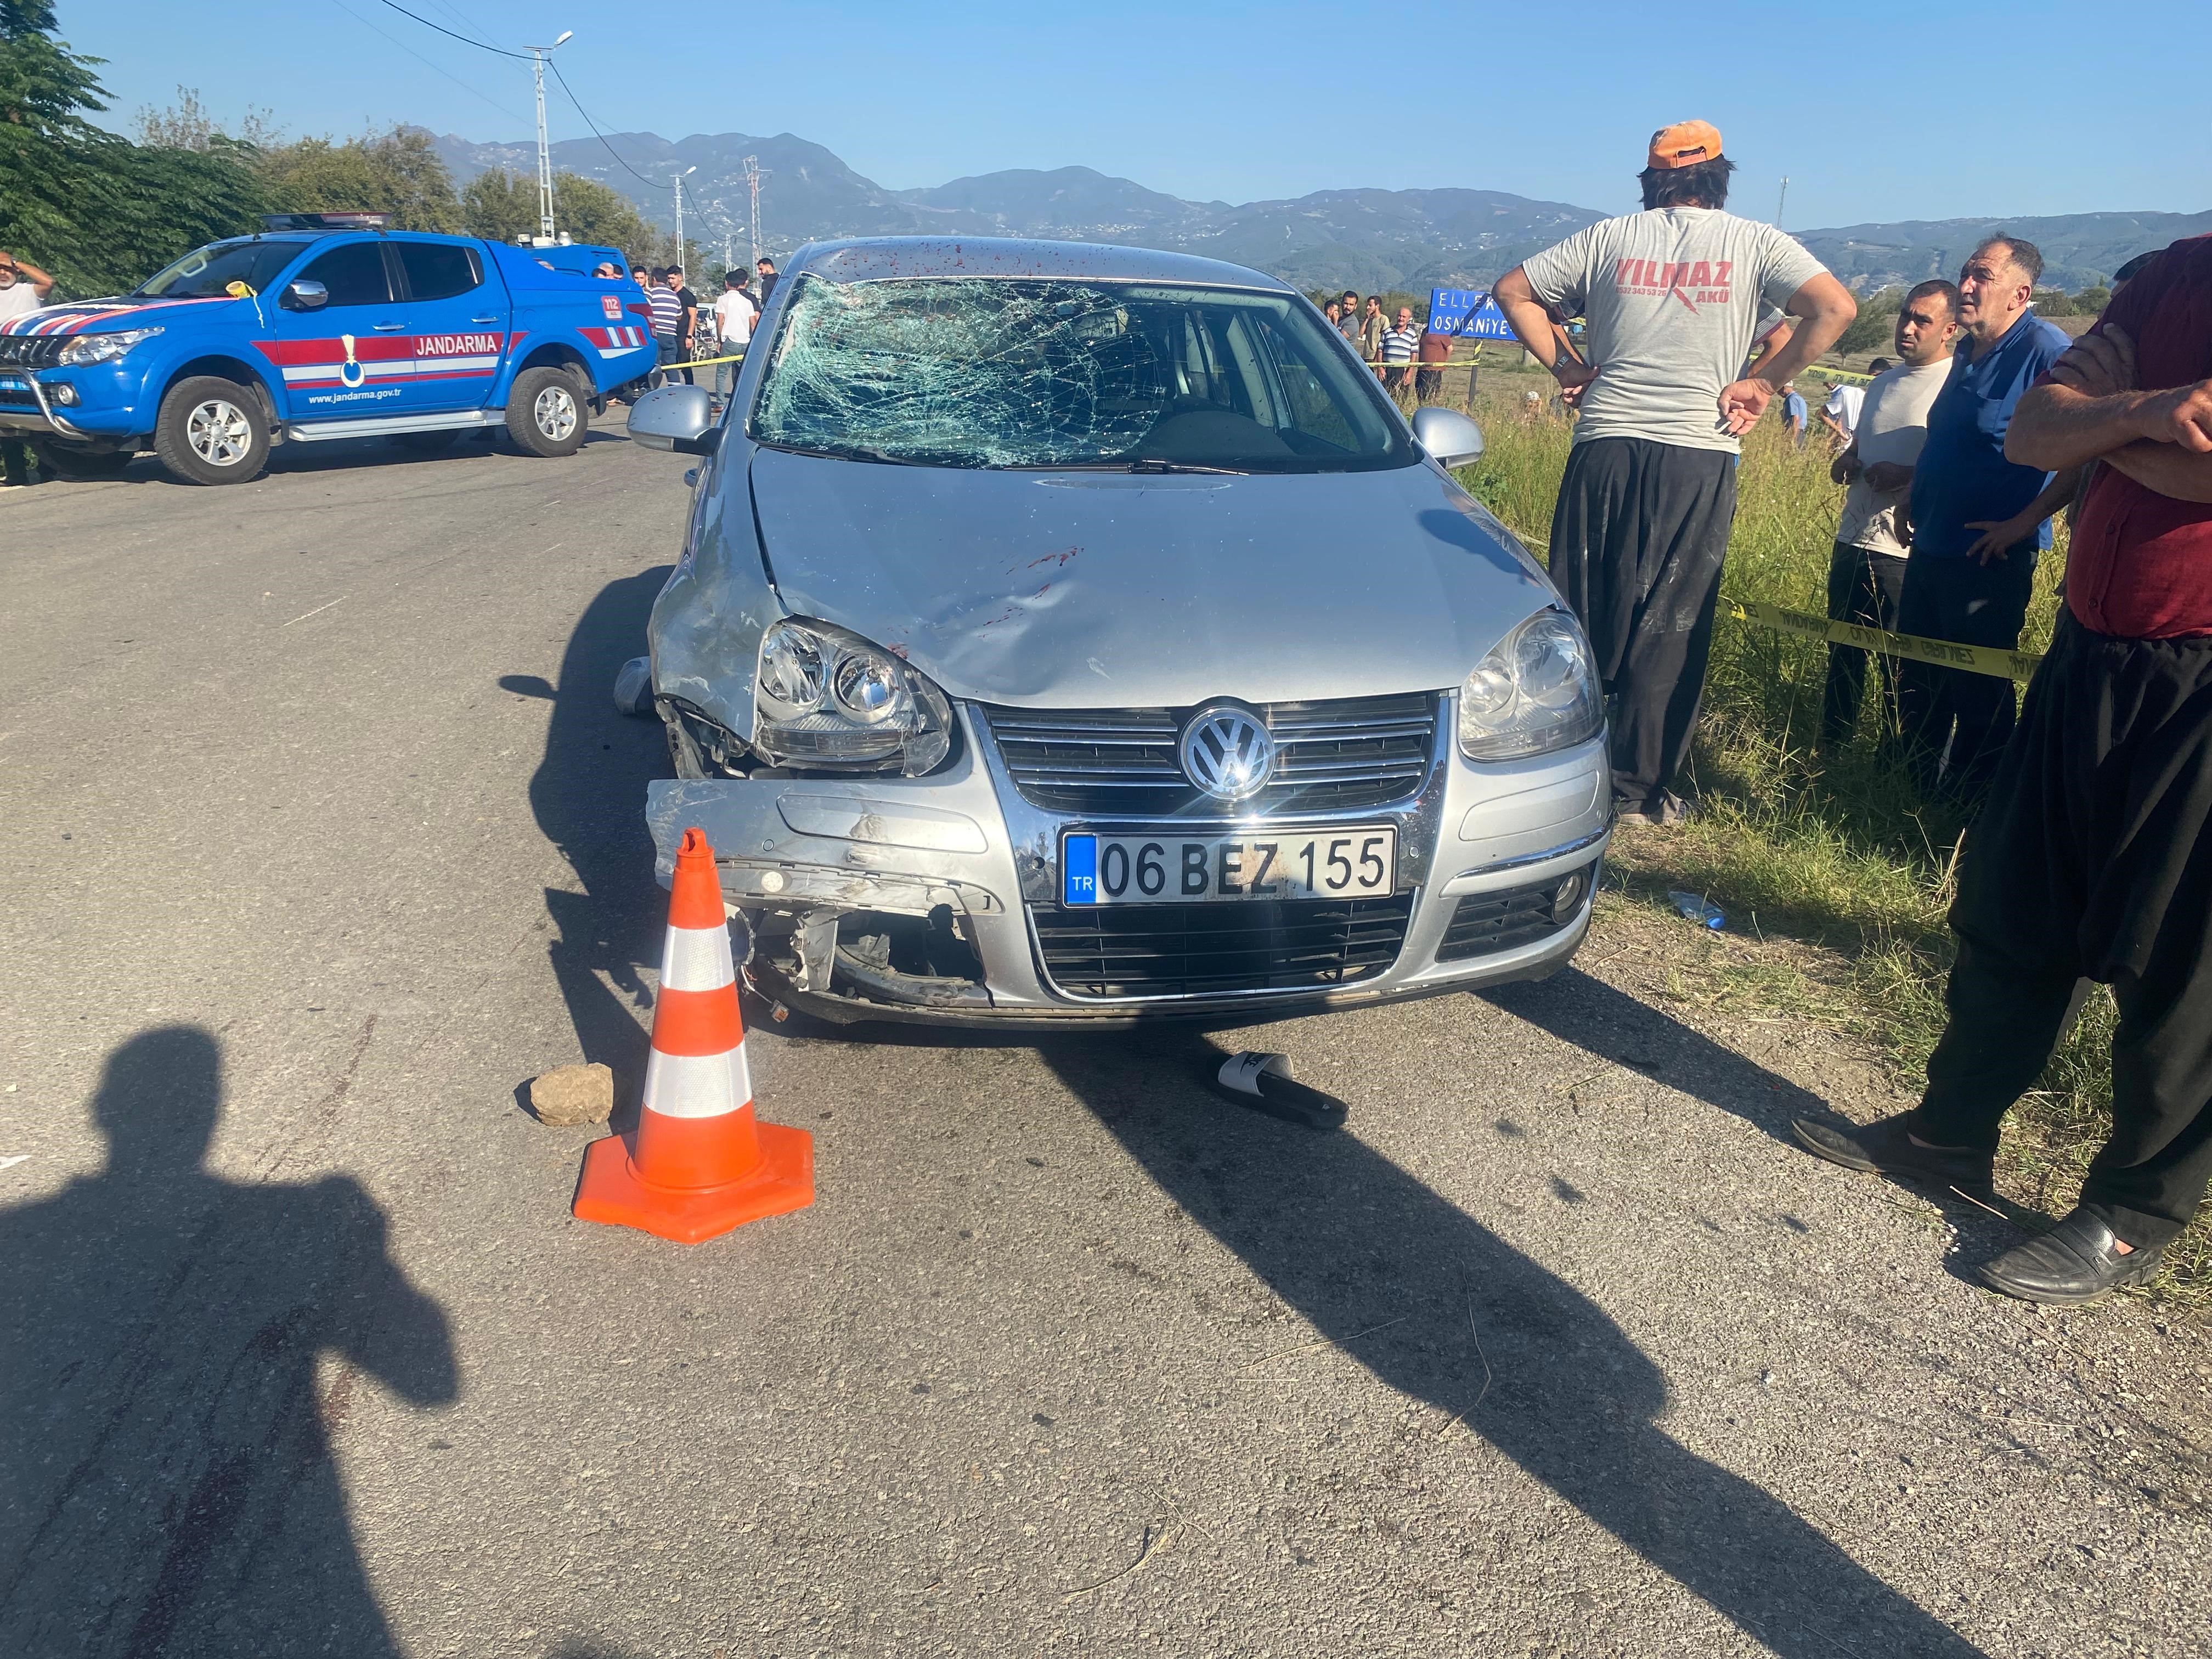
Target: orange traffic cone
x=699, y=1165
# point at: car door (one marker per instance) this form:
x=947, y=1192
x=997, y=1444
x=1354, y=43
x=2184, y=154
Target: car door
x=456, y=319
x=348, y=356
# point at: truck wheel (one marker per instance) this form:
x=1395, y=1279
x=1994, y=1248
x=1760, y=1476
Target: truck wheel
x=60, y=461
x=544, y=416
x=212, y=431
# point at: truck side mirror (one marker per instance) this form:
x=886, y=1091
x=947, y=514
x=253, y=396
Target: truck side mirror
x=305, y=294
x=673, y=417
x=1447, y=437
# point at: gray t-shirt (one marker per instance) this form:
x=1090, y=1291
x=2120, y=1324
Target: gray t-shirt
x=1672, y=296
x=1893, y=425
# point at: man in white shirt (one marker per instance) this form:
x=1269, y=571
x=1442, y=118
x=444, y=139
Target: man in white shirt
x=23, y=289
x=1672, y=295
x=734, y=316
x=1840, y=413
x=1866, y=571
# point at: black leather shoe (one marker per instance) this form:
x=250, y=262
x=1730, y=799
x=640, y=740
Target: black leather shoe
x=1886, y=1148
x=2073, y=1262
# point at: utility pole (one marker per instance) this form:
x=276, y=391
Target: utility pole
x=1779, y=200
x=544, y=149
x=754, y=173
x=680, y=178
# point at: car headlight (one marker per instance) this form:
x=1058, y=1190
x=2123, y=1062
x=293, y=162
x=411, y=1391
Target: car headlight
x=825, y=697
x=103, y=347
x=1533, y=694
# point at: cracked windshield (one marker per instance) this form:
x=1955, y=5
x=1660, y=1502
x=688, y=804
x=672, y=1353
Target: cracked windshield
x=989, y=373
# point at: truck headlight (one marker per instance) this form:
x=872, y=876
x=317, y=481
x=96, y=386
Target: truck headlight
x=826, y=698
x=1533, y=693
x=103, y=347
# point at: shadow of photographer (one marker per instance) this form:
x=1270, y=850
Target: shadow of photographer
x=166, y=1484
x=1347, y=1237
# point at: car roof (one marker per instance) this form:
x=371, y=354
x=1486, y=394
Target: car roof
x=885, y=259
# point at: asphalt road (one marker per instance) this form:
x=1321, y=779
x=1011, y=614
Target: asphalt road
x=322, y=837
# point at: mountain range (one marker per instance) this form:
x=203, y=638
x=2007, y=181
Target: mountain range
x=1370, y=239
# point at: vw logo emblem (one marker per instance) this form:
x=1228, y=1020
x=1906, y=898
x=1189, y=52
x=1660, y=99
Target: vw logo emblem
x=1227, y=752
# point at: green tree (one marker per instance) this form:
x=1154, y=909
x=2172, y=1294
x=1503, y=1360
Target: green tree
x=1875, y=328
x=593, y=212
x=2092, y=301
x=497, y=204
x=99, y=213
x=397, y=171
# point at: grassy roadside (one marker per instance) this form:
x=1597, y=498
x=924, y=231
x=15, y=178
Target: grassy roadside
x=1839, y=852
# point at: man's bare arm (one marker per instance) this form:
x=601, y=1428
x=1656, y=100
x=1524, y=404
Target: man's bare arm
x=1531, y=321
x=1823, y=308
x=2167, y=469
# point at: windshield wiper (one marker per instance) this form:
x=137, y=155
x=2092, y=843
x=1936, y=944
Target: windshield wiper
x=856, y=452
x=1129, y=466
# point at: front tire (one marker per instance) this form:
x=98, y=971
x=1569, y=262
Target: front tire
x=212, y=431
x=546, y=415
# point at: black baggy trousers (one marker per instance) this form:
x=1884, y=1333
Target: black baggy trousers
x=1638, y=538
x=2091, y=859
x=1956, y=724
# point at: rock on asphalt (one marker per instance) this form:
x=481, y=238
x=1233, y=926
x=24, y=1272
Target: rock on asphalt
x=322, y=832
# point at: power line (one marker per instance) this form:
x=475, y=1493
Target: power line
x=420, y=58
x=594, y=125
x=450, y=35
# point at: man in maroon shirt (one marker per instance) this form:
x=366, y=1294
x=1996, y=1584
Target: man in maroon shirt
x=2092, y=858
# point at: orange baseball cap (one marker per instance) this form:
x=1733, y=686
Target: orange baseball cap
x=1685, y=144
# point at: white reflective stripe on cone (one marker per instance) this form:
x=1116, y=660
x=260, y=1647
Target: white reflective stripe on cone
x=697, y=959
x=697, y=1085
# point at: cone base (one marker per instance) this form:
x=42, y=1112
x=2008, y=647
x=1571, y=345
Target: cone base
x=611, y=1192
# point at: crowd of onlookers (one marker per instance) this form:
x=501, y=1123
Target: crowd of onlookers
x=689, y=335
x=2090, y=857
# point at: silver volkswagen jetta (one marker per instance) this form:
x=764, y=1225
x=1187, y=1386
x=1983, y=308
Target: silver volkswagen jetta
x=1071, y=634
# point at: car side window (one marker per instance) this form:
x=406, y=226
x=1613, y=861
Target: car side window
x=354, y=274
x=438, y=270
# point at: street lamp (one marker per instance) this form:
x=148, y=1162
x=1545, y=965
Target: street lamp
x=680, y=178
x=544, y=151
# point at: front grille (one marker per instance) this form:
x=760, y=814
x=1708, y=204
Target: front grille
x=12, y=399
x=1206, y=950
x=1487, y=923
x=31, y=350
x=1345, y=756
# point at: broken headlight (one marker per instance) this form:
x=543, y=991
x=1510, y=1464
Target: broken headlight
x=825, y=697
x=103, y=347
x=1533, y=694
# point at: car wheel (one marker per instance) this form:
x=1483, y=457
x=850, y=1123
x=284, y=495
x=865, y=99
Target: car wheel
x=544, y=415
x=60, y=461
x=212, y=431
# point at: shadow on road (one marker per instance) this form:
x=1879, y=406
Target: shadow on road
x=1350, y=1240
x=588, y=794
x=166, y=1480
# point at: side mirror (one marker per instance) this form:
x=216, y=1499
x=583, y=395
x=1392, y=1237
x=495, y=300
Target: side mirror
x=673, y=417
x=305, y=295
x=1447, y=437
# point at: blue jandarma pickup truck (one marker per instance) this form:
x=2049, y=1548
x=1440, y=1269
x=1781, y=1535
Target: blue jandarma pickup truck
x=325, y=325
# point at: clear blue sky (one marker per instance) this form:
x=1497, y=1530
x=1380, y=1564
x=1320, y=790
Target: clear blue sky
x=1875, y=112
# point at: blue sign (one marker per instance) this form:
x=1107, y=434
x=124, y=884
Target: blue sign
x=1078, y=867
x=1468, y=314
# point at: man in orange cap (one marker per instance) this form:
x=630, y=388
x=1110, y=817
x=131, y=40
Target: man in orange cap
x=1674, y=296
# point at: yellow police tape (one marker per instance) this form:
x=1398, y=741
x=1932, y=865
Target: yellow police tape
x=702, y=363
x=1973, y=659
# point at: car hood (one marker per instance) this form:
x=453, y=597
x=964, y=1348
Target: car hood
x=1081, y=589
x=105, y=316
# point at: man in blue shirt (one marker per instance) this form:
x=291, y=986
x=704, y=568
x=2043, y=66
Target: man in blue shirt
x=1978, y=521
x=1793, y=415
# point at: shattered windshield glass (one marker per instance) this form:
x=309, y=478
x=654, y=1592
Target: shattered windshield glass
x=993, y=373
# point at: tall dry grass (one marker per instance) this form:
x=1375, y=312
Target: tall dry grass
x=1838, y=851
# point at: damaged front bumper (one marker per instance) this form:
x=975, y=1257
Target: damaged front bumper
x=934, y=899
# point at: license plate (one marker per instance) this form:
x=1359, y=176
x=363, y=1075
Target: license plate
x=1169, y=869
x=9, y=383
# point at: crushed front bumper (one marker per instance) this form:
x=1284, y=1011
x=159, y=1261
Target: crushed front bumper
x=918, y=899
